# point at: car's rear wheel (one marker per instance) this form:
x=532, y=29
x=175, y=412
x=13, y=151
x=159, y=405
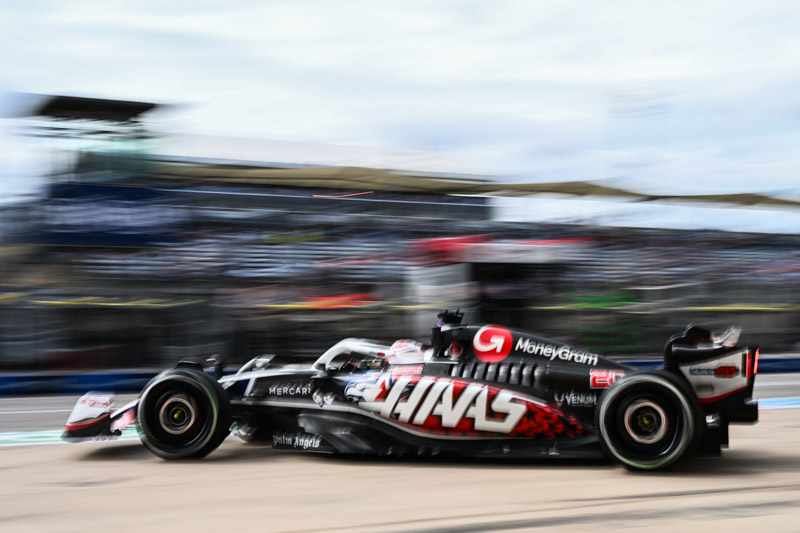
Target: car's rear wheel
x=183, y=413
x=648, y=421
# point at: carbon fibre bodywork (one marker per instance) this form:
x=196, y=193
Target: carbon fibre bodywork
x=486, y=391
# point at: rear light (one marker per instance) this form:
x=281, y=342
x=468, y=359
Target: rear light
x=752, y=363
x=727, y=371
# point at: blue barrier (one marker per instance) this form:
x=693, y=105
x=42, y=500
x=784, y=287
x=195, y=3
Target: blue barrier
x=68, y=383
x=766, y=365
x=134, y=380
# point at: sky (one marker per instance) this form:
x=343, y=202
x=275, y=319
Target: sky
x=679, y=97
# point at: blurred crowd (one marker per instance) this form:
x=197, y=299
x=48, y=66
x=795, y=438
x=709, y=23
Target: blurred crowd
x=239, y=287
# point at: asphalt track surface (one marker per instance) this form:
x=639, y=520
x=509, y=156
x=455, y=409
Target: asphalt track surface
x=119, y=486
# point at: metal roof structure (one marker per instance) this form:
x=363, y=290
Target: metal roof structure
x=360, y=178
x=80, y=108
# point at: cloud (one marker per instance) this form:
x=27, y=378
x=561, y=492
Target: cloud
x=682, y=94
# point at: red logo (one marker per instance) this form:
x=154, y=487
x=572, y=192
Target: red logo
x=456, y=349
x=492, y=344
x=603, y=379
x=406, y=369
x=726, y=372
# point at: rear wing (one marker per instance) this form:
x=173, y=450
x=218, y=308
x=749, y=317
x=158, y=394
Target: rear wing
x=697, y=343
x=721, y=372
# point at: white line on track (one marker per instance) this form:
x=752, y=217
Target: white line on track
x=779, y=403
x=48, y=436
x=35, y=412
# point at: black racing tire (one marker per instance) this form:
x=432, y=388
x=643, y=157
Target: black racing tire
x=648, y=421
x=183, y=413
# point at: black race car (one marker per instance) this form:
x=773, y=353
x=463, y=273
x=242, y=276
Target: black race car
x=475, y=391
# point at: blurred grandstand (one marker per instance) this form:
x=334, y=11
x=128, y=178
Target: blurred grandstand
x=135, y=256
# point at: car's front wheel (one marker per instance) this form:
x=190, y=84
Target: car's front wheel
x=648, y=421
x=183, y=413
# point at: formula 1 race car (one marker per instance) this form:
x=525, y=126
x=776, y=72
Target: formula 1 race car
x=475, y=391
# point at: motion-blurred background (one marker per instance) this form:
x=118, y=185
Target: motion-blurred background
x=198, y=179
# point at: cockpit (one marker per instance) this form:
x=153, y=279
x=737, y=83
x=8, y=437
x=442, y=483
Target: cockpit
x=369, y=354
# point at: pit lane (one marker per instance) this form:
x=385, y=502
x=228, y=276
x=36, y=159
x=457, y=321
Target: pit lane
x=125, y=488
x=120, y=486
